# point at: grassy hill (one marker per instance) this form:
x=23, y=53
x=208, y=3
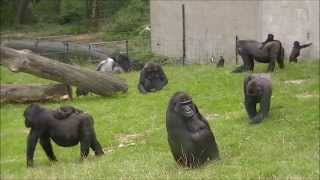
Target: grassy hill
x=131, y=129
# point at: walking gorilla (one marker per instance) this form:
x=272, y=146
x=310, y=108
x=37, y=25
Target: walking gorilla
x=152, y=78
x=190, y=138
x=257, y=90
x=66, y=126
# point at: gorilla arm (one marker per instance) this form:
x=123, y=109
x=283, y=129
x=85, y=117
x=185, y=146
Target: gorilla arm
x=249, y=101
x=264, y=106
x=163, y=76
x=141, y=82
x=31, y=146
x=265, y=100
x=305, y=45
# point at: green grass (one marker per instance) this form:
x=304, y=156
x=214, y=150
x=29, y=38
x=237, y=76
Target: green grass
x=285, y=145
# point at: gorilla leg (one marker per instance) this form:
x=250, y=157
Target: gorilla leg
x=280, y=59
x=251, y=63
x=95, y=146
x=271, y=66
x=85, y=140
x=31, y=146
x=250, y=105
x=245, y=66
x=46, y=145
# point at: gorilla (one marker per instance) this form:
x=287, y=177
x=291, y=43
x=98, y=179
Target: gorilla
x=152, y=78
x=257, y=89
x=270, y=38
x=295, y=52
x=190, y=138
x=66, y=126
x=109, y=65
x=220, y=62
x=81, y=92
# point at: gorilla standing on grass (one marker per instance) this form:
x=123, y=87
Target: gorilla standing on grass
x=257, y=90
x=66, y=126
x=190, y=138
x=152, y=78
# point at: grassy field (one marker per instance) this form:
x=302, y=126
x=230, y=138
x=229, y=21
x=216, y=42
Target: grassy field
x=131, y=129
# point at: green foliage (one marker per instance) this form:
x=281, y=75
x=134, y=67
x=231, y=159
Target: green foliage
x=7, y=12
x=284, y=146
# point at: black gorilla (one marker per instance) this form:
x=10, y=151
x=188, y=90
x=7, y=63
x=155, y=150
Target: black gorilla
x=257, y=90
x=64, y=112
x=81, y=92
x=295, y=52
x=152, y=78
x=270, y=37
x=190, y=138
x=220, y=62
x=66, y=126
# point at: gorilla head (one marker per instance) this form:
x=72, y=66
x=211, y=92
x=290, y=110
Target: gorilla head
x=296, y=44
x=190, y=138
x=71, y=127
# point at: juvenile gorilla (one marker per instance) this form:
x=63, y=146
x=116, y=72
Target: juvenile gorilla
x=257, y=90
x=66, y=126
x=152, y=78
x=190, y=138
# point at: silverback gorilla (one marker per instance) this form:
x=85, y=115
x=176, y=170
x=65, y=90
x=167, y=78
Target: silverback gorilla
x=257, y=89
x=152, y=78
x=66, y=126
x=190, y=138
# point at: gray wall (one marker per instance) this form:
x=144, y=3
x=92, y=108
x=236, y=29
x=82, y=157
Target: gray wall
x=211, y=26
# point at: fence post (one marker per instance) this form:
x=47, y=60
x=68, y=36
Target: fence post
x=127, y=47
x=236, y=49
x=183, y=36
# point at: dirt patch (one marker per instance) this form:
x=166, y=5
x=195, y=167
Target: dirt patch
x=129, y=139
x=297, y=81
x=307, y=95
x=213, y=116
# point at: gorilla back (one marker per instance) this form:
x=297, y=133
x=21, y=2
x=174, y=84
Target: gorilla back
x=190, y=138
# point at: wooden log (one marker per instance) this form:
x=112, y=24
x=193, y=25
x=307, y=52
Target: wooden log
x=34, y=93
x=104, y=84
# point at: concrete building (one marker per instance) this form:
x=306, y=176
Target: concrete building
x=211, y=26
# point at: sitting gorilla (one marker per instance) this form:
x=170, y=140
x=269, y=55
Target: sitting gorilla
x=220, y=62
x=257, y=90
x=66, y=126
x=152, y=78
x=190, y=138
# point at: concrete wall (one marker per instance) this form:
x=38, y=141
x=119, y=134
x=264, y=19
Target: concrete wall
x=211, y=26
x=292, y=21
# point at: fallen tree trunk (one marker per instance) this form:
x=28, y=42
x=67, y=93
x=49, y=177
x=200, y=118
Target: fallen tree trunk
x=34, y=93
x=51, y=49
x=25, y=61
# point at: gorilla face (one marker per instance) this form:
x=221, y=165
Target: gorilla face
x=253, y=89
x=185, y=108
